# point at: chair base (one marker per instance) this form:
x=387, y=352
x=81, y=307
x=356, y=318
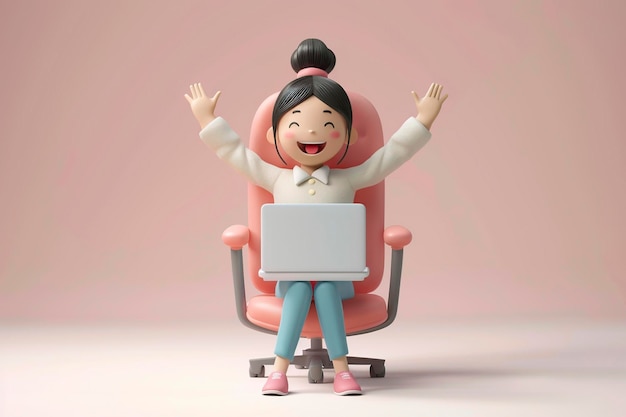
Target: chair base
x=316, y=359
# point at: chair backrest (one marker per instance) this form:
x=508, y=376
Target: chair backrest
x=369, y=128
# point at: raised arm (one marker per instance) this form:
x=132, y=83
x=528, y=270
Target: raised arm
x=218, y=135
x=202, y=106
x=429, y=106
x=409, y=139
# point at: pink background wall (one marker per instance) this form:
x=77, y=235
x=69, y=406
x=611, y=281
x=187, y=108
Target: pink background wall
x=111, y=207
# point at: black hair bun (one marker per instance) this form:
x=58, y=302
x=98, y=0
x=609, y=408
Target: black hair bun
x=313, y=53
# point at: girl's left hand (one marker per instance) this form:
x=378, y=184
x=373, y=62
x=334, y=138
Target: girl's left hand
x=429, y=106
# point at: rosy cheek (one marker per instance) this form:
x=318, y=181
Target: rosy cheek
x=335, y=134
x=290, y=135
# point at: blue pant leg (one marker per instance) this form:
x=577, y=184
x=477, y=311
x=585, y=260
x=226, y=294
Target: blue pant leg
x=296, y=304
x=330, y=313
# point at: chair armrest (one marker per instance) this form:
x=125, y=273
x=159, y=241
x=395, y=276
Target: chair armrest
x=397, y=237
x=236, y=236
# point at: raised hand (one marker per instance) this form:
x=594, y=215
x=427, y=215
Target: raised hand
x=429, y=106
x=202, y=106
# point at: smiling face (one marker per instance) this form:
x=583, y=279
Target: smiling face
x=312, y=133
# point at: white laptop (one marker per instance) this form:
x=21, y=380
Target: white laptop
x=316, y=242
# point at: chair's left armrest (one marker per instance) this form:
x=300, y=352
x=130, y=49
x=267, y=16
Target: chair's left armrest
x=397, y=237
x=236, y=236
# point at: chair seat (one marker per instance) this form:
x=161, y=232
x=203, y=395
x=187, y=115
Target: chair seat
x=361, y=312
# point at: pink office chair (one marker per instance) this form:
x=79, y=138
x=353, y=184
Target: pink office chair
x=366, y=312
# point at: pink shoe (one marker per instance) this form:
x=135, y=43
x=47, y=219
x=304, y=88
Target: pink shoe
x=276, y=384
x=345, y=384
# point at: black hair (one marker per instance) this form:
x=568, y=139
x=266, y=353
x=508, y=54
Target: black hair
x=312, y=53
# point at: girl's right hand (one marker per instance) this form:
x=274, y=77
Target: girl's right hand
x=202, y=107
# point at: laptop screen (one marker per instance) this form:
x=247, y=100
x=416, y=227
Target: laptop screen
x=320, y=241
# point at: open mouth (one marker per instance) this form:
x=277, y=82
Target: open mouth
x=311, y=148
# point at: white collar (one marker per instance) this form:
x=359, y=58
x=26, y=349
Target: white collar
x=320, y=174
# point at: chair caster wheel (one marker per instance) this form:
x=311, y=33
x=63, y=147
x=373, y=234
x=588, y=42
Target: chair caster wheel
x=377, y=371
x=316, y=372
x=257, y=371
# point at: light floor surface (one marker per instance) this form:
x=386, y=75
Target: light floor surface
x=509, y=368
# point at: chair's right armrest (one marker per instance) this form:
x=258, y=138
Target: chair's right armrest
x=236, y=236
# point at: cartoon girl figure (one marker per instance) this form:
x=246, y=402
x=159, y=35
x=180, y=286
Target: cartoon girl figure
x=312, y=122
